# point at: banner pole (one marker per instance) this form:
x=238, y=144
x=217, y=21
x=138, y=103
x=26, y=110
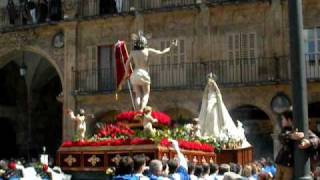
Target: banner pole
x=128, y=80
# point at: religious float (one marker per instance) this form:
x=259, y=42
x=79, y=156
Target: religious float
x=127, y=137
x=213, y=137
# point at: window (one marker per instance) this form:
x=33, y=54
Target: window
x=312, y=45
x=241, y=46
x=99, y=70
x=106, y=70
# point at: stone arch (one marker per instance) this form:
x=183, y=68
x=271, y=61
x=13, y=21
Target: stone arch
x=40, y=52
x=262, y=106
x=179, y=115
x=258, y=128
x=38, y=112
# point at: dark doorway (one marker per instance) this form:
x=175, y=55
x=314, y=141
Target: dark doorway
x=8, y=139
x=258, y=129
x=47, y=117
x=34, y=113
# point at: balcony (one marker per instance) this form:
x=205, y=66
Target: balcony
x=20, y=15
x=230, y=73
x=15, y=16
x=91, y=8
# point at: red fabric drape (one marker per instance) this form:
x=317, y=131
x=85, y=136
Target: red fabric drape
x=121, y=57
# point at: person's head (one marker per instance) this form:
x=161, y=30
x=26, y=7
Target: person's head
x=206, y=169
x=264, y=176
x=214, y=168
x=317, y=171
x=247, y=171
x=81, y=112
x=165, y=168
x=231, y=176
x=269, y=162
x=3, y=164
x=125, y=166
x=173, y=165
x=223, y=168
x=155, y=167
x=147, y=110
x=139, y=163
x=255, y=169
x=263, y=161
x=198, y=171
x=191, y=167
x=287, y=119
x=195, y=121
x=236, y=168
x=139, y=41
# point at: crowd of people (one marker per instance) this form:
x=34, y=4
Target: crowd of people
x=135, y=168
x=281, y=169
x=20, y=169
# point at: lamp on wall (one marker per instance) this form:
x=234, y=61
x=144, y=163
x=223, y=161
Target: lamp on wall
x=23, y=67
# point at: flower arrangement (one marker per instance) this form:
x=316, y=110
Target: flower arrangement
x=188, y=145
x=118, y=130
x=108, y=142
x=119, y=134
x=163, y=119
x=228, y=141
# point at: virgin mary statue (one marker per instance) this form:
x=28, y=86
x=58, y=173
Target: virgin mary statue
x=214, y=117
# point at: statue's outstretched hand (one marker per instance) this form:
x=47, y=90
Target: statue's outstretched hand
x=174, y=43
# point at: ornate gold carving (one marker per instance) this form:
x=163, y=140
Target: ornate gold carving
x=211, y=160
x=195, y=160
x=203, y=160
x=70, y=160
x=94, y=160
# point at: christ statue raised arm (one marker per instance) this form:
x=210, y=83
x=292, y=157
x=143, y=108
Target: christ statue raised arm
x=140, y=78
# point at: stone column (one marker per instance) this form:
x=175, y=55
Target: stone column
x=138, y=24
x=202, y=34
x=276, y=132
x=275, y=25
x=70, y=54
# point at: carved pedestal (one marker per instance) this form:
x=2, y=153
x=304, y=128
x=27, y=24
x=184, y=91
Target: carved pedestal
x=240, y=156
x=79, y=159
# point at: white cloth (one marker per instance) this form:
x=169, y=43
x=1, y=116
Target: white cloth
x=119, y=5
x=214, y=117
x=140, y=77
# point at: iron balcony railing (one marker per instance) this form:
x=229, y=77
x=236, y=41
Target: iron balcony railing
x=230, y=73
x=90, y=8
x=104, y=7
x=32, y=13
x=241, y=72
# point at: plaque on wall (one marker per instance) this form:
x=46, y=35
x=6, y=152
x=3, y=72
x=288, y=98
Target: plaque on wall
x=58, y=40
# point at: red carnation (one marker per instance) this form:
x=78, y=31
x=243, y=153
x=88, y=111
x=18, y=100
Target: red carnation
x=12, y=165
x=45, y=168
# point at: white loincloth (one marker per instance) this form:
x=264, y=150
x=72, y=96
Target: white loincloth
x=140, y=77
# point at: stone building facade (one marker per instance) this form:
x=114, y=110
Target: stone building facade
x=245, y=43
